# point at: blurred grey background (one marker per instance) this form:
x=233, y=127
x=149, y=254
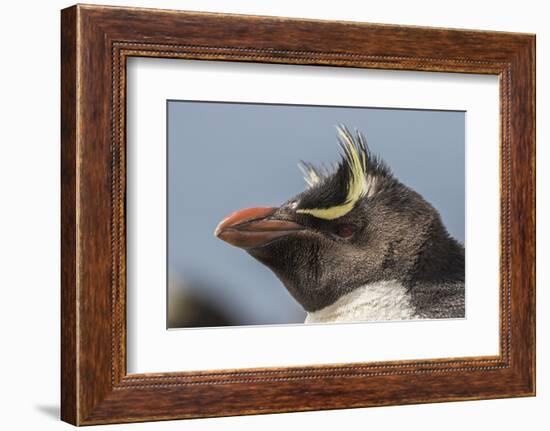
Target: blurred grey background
x=227, y=156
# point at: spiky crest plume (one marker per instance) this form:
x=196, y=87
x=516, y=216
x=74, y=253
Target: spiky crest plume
x=336, y=191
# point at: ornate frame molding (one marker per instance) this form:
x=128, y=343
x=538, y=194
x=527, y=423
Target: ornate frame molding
x=96, y=41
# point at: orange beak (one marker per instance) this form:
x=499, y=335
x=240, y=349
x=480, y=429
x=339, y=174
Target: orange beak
x=254, y=227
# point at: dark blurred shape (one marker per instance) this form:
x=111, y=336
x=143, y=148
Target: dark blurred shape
x=189, y=310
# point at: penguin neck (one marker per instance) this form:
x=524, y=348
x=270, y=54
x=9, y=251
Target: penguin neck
x=440, y=259
x=382, y=300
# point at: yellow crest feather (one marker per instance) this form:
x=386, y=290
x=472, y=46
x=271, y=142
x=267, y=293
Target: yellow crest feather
x=357, y=186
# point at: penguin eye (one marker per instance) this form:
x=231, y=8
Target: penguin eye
x=345, y=230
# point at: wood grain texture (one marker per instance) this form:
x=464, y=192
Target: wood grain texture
x=69, y=398
x=96, y=41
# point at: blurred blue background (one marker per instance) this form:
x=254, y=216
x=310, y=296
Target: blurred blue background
x=227, y=156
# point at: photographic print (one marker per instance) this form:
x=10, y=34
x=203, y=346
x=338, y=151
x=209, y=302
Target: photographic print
x=288, y=214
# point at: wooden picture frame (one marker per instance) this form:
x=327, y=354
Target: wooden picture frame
x=95, y=43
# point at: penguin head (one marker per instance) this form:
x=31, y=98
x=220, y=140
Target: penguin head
x=354, y=224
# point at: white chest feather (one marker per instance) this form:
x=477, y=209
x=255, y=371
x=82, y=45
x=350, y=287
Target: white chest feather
x=384, y=300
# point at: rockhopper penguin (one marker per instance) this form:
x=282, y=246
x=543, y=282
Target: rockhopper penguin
x=357, y=244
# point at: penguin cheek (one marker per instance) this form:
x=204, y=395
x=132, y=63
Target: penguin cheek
x=278, y=255
x=295, y=257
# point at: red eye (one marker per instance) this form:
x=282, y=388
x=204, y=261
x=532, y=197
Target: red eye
x=345, y=231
